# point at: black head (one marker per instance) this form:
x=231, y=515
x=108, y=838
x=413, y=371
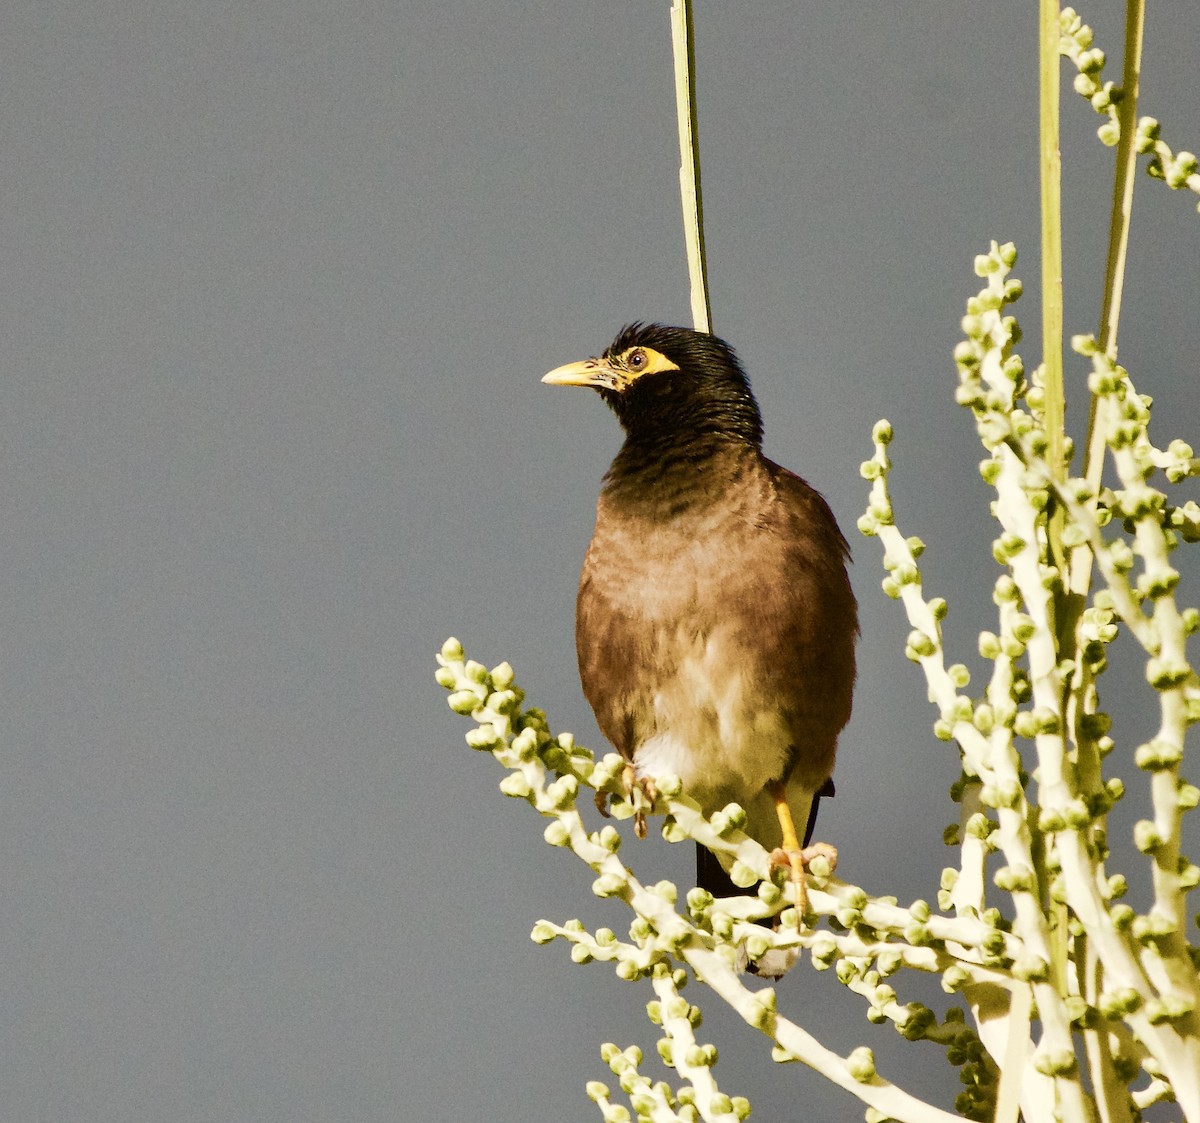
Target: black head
x=670, y=383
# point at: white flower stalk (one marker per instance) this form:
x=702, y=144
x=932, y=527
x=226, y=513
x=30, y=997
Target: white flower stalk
x=868, y=939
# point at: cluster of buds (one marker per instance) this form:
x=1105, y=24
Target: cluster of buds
x=1115, y=992
x=1179, y=170
x=867, y=941
x=1073, y=995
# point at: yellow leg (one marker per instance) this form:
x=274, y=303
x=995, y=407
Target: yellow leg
x=791, y=855
x=784, y=811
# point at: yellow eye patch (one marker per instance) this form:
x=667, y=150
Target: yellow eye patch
x=644, y=360
x=617, y=372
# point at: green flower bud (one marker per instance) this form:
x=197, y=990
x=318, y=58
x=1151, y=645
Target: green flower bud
x=1079, y=1012
x=761, y=1012
x=955, y=978
x=1026, y=724
x=1015, y=879
x=769, y=893
x=960, y=676
x=742, y=875
x=847, y=971
x=989, y=470
x=502, y=676
x=666, y=890
x=1154, y=926
x=1155, y=756
x=819, y=869
x=889, y=962
x=1055, y=1062
x=643, y=1103
x=1147, y=837
x=516, y=785
x=525, y=745
x=1169, y=1008
x=672, y=831
x=966, y=358
x=608, y=885
x=1122, y=917
x=476, y=672
x=677, y=1007
x=562, y=792
x=721, y=923
x=484, y=737
x=985, y=264
x=919, y=645
x=463, y=701
x=861, y=1065
x=989, y=645
x=917, y=935
x=979, y=826
x=1031, y=969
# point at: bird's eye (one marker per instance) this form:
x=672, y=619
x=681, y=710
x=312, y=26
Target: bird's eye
x=636, y=360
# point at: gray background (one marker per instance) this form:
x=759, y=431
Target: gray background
x=279, y=281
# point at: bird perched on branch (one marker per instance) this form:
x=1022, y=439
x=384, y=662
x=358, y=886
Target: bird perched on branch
x=715, y=624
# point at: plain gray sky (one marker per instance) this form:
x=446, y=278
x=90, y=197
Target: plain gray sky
x=280, y=280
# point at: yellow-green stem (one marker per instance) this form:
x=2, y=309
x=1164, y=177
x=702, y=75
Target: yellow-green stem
x=1052, y=337
x=1118, y=234
x=1114, y=276
x=683, y=45
x=1052, y=292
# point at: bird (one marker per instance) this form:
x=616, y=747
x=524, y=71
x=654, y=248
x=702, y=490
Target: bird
x=715, y=621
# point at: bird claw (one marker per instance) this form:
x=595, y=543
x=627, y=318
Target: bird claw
x=642, y=793
x=796, y=862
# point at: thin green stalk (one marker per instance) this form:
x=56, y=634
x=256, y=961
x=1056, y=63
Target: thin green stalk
x=1118, y=241
x=683, y=48
x=1052, y=358
x=1052, y=292
x=1080, y=577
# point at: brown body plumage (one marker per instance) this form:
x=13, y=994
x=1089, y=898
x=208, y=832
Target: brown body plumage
x=715, y=620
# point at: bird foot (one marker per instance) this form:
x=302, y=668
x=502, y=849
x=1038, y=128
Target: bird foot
x=796, y=862
x=642, y=793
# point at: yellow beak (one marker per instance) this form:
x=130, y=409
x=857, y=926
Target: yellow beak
x=590, y=372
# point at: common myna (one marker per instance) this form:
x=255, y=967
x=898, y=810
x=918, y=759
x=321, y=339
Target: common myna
x=715, y=624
